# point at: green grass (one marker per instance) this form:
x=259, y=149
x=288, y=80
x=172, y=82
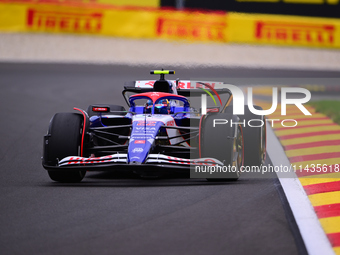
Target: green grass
x=330, y=108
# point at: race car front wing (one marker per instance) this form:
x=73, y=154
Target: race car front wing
x=120, y=158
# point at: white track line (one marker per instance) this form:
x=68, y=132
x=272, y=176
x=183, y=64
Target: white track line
x=308, y=223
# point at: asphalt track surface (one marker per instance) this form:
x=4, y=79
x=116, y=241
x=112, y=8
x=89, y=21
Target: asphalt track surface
x=118, y=213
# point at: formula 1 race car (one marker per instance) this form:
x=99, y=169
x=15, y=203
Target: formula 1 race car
x=161, y=132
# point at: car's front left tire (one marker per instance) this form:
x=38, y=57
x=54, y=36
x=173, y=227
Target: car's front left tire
x=223, y=142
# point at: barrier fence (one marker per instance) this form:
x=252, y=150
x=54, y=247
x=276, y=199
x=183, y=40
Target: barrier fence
x=313, y=8
x=97, y=18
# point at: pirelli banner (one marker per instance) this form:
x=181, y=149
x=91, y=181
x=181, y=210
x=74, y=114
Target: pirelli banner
x=284, y=30
x=121, y=22
x=170, y=25
x=192, y=26
x=114, y=21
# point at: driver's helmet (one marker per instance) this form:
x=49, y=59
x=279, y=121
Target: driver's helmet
x=162, y=107
x=148, y=106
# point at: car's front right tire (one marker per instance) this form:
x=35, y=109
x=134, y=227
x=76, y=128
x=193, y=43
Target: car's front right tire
x=64, y=140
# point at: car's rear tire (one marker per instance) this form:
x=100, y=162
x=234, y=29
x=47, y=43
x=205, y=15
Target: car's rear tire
x=114, y=109
x=65, y=133
x=254, y=138
x=217, y=142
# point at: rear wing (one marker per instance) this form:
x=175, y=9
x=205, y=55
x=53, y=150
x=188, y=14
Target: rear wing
x=184, y=88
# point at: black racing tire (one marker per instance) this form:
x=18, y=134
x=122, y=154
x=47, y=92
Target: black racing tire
x=217, y=142
x=255, y=138
x=65, y=133
x=115, y=109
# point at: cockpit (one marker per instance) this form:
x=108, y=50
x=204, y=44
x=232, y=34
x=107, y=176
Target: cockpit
x=158, y=103
x=161, y=107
